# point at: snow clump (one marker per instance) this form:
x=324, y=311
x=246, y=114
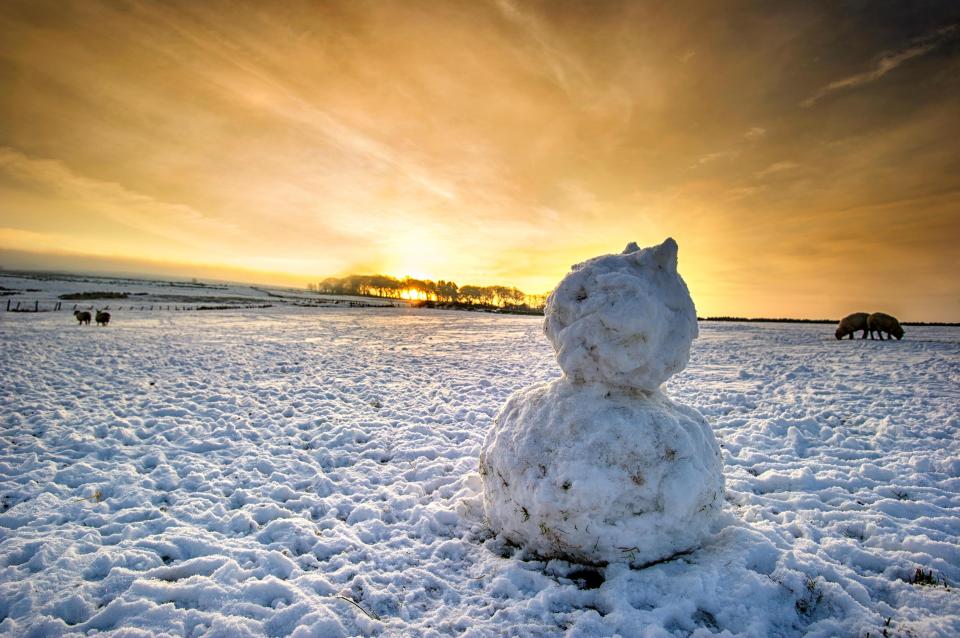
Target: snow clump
x=600, y=466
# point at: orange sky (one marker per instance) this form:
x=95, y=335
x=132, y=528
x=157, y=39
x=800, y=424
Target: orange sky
x=804, y=155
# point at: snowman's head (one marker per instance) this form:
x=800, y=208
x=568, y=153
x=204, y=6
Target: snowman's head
x=625, y=320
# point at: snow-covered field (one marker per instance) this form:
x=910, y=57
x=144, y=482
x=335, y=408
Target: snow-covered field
x=144, y=294
x=313, y=472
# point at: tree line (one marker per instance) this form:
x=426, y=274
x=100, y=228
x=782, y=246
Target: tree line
x=443, y=292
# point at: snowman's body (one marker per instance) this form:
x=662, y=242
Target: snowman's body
x=600, y=466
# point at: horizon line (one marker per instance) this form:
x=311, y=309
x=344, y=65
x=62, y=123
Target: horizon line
x=157, y=278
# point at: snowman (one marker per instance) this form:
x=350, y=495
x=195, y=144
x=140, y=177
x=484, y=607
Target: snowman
x=600, y=465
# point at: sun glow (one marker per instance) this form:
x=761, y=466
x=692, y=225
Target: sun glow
x=413, y=295
x=417, y=253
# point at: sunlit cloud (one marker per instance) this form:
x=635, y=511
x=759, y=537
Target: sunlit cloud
x=562, y=66
x=710, y=158
x=776, y=167
x=118, y=204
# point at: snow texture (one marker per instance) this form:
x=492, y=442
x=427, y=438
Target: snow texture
x=598, y=474
x=624, y=320
x=600, y=466
x=285, y=472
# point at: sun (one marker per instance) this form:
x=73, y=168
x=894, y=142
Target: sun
x=413, y=295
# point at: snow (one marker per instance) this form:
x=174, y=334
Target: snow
x=597, y=474
x=313, y=472
x=626, y=320
x=600, y=466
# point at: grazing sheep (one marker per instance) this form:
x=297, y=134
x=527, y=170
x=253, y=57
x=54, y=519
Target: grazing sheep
x=82, y=317
x=879, y=322
x=103, y=318
x=851, y=323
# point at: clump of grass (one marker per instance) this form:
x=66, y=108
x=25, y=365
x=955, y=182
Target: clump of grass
x=886, y=629
x=928, y=578
x=806, y=604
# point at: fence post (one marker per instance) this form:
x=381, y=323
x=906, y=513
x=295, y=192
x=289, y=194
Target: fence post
x=36, y=305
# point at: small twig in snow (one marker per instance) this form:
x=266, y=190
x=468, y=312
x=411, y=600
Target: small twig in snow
x=357, y=605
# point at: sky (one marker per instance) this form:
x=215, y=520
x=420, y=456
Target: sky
x=805, y=156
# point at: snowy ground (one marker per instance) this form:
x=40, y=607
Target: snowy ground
x=312, y=472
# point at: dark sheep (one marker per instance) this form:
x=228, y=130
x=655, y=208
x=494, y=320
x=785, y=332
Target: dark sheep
x=851, y=323
x=879, y=322
x=103, y=318
x=83, y=317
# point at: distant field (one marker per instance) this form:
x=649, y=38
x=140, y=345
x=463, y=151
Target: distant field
x=47, y=289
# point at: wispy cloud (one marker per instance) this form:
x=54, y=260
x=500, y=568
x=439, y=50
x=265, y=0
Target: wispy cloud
x=742, y=192
x=776, y=167
x=709, y=158
x=253, y=85
x=564, y=69
x=888, y=62
x=124, y=222
x=122, y=205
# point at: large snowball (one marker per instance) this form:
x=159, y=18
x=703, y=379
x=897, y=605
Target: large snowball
x=596, y=474
x=626, y=320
